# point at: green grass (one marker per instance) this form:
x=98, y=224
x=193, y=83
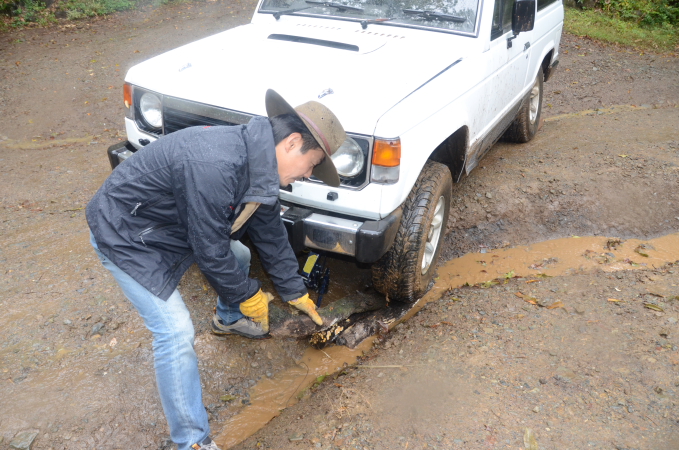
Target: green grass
x=80, y=9
x=595, y=24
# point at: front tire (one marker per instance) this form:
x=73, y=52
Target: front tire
x=527, y=121
x=405, y=271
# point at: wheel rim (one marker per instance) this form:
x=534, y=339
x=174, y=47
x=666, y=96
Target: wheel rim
x=534, y=101
x=434, y=235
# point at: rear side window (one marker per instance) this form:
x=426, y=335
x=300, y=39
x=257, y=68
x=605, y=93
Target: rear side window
x=544, y=3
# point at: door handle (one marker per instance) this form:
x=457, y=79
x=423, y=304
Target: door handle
x=510, y=39
x=526, y=46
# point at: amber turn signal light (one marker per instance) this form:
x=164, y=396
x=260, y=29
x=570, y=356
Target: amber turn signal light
x=387, y=152
x=127, y=95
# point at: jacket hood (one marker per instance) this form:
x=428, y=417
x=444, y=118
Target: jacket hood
x=340, y=65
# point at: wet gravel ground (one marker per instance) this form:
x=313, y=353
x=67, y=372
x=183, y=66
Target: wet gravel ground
x=76, y=362
x=480, y=366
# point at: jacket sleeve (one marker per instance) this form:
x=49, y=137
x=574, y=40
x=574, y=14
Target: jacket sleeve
x=267, y=232
x=205, y=192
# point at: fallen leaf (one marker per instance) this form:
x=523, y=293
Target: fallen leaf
x=529, y=441
x=113, y=342
x=527, y=298
x=556, y=305
x=623, y=156
x=654, y=307
x=642, y=249
x=614, y=300
x=532, y=281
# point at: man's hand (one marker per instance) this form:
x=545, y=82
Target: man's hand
x=257, y=308
x=306, y=305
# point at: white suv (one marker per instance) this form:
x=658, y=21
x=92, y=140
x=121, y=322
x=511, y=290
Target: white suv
x=424, y=88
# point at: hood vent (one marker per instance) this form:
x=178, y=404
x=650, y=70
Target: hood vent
x=321, y=42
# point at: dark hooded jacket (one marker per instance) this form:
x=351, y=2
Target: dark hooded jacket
x=173, y=203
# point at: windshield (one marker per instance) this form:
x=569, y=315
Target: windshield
x=453, y=15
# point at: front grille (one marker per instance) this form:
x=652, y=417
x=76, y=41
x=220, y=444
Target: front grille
x=176, y=120
x=179, y=114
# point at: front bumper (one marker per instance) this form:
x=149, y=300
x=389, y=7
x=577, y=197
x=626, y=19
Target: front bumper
x=365, y=240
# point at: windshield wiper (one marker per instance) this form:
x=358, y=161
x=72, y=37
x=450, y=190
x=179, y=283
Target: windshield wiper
x=277, y=15
x=340, y=7
x=434, y=15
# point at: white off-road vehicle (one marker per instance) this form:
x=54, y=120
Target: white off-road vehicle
x=424, y=88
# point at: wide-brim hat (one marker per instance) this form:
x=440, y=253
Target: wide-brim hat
x=323, y=126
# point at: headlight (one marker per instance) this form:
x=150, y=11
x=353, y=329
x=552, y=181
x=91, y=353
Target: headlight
x=349, y=159
x=151, y=109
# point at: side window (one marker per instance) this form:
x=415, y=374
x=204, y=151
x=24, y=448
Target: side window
x=496, y=30
x=544, y=3
x=507, y=9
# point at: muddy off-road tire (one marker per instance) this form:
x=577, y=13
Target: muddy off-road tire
x=405, y=271
x=527, y=121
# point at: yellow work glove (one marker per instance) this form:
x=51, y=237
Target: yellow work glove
x=306, y=305
x=257, y=308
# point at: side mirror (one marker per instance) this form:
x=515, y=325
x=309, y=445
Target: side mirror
x=523, y=16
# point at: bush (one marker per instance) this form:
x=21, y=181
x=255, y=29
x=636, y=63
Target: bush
x=650, y=13
x=79, y=9
x=25, y=12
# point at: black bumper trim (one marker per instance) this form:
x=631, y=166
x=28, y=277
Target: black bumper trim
x=375, y=237
x=118, y=148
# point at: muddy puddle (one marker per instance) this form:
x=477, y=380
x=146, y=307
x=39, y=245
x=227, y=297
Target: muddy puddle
x=545, y=259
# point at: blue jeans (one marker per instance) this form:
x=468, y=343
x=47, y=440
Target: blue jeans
x=175, y=359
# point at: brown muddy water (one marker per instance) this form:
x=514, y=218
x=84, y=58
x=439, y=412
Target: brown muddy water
x=545, y=259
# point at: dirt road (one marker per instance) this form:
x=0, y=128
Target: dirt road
x=76, y=363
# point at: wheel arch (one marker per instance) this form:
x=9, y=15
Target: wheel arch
x=545, y=60
x=453, y=151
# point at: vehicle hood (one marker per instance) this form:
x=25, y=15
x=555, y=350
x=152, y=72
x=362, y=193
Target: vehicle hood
x=233, y=69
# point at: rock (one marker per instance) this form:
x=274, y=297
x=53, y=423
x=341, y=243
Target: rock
x=67, y=322
x=296, y=437
x=564, y=374
x=96, y=328
x=536, y=409
x=254, y=365
x=489, y=195
x=543, y=381
x=23, y=440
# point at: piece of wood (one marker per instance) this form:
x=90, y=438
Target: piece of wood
x=286, y=321
x=355, y=329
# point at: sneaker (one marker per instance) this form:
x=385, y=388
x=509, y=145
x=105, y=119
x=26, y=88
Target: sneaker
x=243, y=327
x=207, y=444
